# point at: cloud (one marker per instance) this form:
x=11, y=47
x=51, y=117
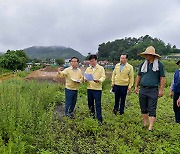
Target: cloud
x=84, y=24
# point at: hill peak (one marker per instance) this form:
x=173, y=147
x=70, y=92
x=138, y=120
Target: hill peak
x=52, y=52
x=52, y=47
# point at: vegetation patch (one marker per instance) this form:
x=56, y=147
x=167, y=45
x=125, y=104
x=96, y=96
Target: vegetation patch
x=32, y=121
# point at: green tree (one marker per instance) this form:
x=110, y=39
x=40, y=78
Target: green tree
x=87, y=57
x=35, y=60
x=14, y=60
x=60, y=61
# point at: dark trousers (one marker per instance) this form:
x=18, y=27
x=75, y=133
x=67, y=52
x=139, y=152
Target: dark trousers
x=120, y=97
x=70, y=101
x=148, y=97
x=175, y=107
x=95, y=95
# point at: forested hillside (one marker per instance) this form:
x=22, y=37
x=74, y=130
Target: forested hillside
x=133, y=46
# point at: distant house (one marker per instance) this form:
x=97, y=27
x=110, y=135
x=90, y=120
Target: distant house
x=37, y=64
x=103, y=62
x=66, y=63
x=29, y=65
x=49, y=62
x=53, y=61
x=85, y=63
x=171, y=57
x=109, y=66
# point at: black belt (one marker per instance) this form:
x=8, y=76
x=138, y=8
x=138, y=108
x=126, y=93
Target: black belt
x=149, y=87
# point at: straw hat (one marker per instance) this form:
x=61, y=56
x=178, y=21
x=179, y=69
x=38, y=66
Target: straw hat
x=178, y=62
x=150, y=51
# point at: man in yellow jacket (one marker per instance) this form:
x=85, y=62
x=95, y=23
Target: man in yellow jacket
x=94, y=87
x=74, y=77
x=122, y=81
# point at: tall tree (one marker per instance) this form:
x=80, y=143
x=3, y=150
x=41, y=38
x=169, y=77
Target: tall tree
x=14, y=60
x=60, y=61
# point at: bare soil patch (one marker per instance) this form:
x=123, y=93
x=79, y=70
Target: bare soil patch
x=50, y=74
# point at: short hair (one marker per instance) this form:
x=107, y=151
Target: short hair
x=125, y=54
x=92, y=57
x=75, y=58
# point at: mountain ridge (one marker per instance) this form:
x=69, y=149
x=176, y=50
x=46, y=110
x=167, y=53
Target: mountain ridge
x=52, y=52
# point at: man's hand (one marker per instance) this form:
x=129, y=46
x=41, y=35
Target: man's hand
x=161, y=89
x=171, y=94
x=138, y=79
x=129, y=90
x=160, y=93
x=60, y=69
x=96, y=81
x=136, y=90
x=178, y=102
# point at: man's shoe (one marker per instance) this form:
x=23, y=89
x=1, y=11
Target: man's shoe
x=121, y=113
x=92, y=115
x=115, y=112
x=71, y=116
x=150, y=130
x=178, y=121
x=100, y=123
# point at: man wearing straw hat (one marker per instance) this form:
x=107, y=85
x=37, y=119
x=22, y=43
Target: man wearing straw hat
x=175, y=92
x=151, y=75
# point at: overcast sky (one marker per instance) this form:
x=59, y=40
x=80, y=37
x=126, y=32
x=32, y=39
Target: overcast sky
x=84, y=24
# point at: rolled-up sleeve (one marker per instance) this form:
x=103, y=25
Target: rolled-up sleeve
x=131, y=78
x=113, y=76
x=172, y=84
x=63, y=73
x=103, y=76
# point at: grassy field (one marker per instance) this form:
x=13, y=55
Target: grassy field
x=31, y=121
x=4, y=72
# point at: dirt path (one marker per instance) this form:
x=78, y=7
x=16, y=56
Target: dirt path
x=59, y=112
x=50, y=74
x=46, y=74
x=7, y=77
